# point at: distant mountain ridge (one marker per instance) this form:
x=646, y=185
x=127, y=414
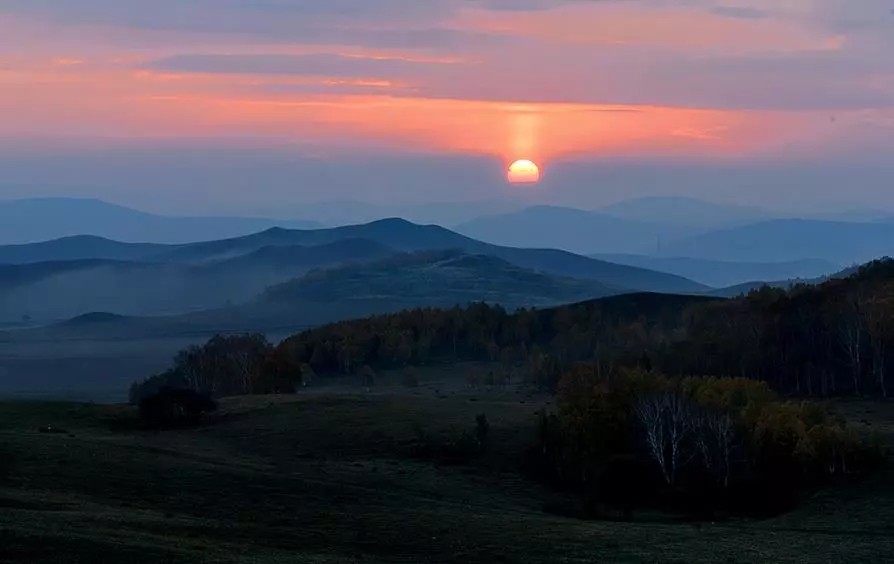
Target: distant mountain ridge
x=577, y=231
x=691, y=212
x=41, y=219
x=791, y=239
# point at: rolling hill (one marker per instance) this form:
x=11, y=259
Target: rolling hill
x=41, y=219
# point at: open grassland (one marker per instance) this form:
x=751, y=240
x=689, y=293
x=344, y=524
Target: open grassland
x=338, y=476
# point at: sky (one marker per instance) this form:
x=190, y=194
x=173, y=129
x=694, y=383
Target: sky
x=258, y=106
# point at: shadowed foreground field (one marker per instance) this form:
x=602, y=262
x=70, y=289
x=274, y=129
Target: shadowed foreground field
x=337, y=477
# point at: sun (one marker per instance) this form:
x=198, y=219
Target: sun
x=523, y=172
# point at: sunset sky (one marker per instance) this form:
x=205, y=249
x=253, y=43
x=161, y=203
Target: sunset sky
x=222, y=106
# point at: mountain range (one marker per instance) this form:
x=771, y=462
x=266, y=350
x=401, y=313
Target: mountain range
x=375, y=265
x=77, y=275
x=740, y=235
x=691, y=213
x=665, y=227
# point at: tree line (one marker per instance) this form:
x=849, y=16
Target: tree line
x=811, y=340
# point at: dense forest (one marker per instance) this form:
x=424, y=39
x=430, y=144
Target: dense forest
x=813, y=340
x=810, y=340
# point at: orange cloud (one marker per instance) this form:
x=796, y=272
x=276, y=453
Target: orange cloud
x=122, y=102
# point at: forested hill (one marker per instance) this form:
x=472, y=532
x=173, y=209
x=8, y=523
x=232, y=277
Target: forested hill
x=540, y=342
x=837, y=337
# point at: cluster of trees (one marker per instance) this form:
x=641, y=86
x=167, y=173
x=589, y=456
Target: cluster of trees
x=226, y=366
x=633, y=437
x=830, y=339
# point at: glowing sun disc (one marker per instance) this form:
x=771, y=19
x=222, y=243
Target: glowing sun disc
x=523, y=172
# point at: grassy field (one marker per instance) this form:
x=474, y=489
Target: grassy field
x=334, y=475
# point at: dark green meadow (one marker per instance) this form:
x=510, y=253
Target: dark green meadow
x=340, y=475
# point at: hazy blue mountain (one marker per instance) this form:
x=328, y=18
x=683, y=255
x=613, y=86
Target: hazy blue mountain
x=41, y=219
x=573, y=230
x=853, y=215
x=49, y=291
x=690, y=212
x=721, y=274
x=437, y=278
x=791, y=239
